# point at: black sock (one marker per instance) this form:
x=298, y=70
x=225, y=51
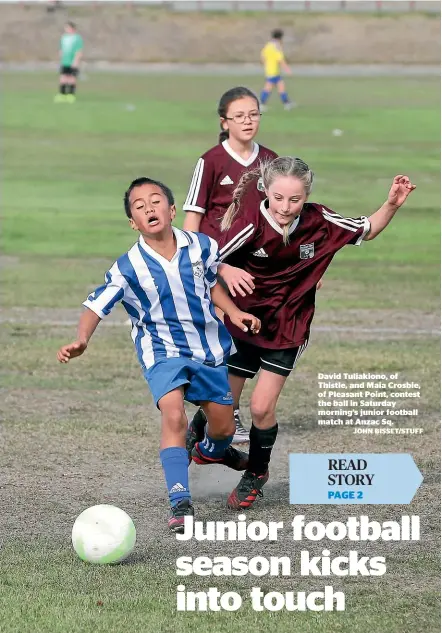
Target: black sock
x=73, y=88
x=199, y=421
x=63, y=89
x=261, y=444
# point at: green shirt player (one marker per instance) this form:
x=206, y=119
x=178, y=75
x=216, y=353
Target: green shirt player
x=71, y=51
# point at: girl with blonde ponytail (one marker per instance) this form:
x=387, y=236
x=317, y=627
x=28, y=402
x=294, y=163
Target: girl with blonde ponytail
x=286, y=244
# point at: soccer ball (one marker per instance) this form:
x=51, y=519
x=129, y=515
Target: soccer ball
x=103, y=534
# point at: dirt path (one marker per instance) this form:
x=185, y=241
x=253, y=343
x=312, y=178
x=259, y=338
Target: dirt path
x=411, y=323
x=299, y=70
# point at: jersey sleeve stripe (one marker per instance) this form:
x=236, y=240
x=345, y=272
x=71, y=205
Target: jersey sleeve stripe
x=337, y=215
x=340, y=217
x=189, y=207
x=354, y=221
x=198, y=183
x=236, y=246
x=237, y=241
x=351, y=224
x=367, y=227
x=192, y=183
x=194, y=186
x=238, y=236
x=343, y=225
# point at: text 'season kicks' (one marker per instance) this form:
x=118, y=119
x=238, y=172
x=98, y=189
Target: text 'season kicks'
x=232, y=458
x=241, y=434
x=182, y=509
x=247, y=491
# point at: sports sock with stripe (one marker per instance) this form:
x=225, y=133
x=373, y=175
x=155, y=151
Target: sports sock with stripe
x=214, y=449
x=175, y=462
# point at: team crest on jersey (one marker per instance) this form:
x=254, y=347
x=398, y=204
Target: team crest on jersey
x=260, y=184
x=198, y=269
x=307, y=251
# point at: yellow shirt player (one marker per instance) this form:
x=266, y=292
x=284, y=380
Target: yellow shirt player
x=273, y=60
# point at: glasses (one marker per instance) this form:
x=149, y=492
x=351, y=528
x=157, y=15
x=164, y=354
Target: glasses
x=241, y=118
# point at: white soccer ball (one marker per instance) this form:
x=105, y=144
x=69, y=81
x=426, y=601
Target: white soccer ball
x=103, y=534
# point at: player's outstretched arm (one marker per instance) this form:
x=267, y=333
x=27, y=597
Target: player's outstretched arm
x=86, y=327
x=192, y=221
x=242, y=320
x=399, y=192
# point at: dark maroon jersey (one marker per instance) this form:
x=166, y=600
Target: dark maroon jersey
x=285, y=276
x=215, y=177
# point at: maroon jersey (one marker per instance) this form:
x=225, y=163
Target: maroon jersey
x=215, y=177
x=285, y=276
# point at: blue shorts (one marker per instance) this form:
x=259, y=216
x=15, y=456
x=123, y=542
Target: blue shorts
x=274, y=80
x=201, y=382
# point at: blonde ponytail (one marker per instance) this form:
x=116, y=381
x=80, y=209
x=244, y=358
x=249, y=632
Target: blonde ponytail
x=238, y=193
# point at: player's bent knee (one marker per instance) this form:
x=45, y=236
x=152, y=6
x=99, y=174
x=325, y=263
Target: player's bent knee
x=222, y=428
x=261, y=410
x=175, y=419
x=229, y=429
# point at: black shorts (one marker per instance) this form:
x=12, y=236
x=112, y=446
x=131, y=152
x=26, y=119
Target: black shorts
x=68, y=70
x=249, y=359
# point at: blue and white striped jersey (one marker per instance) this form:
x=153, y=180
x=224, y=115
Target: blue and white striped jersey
x=168, y=301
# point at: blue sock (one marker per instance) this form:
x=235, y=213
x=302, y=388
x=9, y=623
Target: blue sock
x=264, y=96
x=214, y=449
x=175, y=462
x=284, y=97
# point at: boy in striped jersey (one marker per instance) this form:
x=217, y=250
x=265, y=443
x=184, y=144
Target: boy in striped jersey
x=286, y=244
x=168, y=285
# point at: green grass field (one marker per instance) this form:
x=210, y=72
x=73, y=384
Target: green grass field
x=86, y=433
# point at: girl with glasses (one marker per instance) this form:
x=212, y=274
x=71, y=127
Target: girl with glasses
x=217, y=174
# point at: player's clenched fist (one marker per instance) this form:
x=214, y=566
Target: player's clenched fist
x=246, y=322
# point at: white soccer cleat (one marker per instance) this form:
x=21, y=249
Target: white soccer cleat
x=289, y=106
x=241, y=434
x=263, y=108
